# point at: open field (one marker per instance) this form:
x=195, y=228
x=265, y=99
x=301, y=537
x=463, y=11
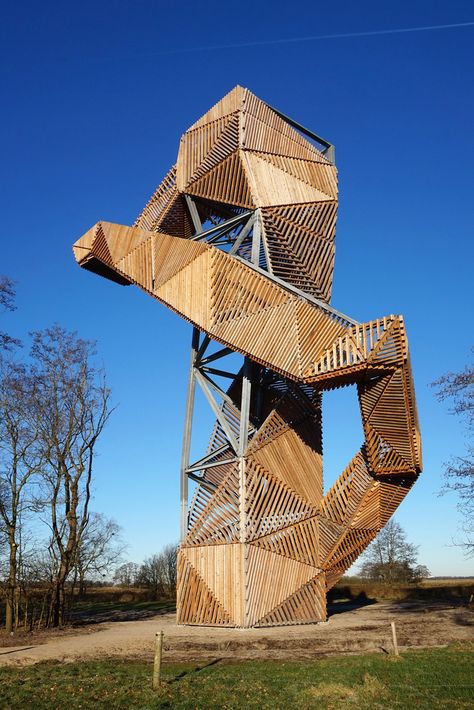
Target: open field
x=352, y=628
x=437, y=678
x=123, y=623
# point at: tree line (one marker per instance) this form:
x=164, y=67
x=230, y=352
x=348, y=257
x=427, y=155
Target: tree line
x=157, y=573
x=54, y=405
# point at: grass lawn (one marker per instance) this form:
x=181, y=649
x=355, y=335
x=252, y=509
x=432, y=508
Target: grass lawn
x=440, y=678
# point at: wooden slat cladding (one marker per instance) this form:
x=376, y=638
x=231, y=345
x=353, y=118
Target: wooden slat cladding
x=255, y=108
x=298, y=541
x=226, y=182
x=319, y=175
x=159, y=202
x=230, y=103
x=271, y=185
x=196, y=604
x=218, y=520
x=305, y=606
x=287, y=575
x=301, y=245
x=204, y=148
x=296, y=459
x=258, y=136
x=264, y=540
x=221, y=568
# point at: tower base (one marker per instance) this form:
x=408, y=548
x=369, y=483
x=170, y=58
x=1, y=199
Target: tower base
x=245, y=585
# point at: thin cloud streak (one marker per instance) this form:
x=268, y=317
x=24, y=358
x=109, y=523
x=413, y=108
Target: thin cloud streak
x=312, y=38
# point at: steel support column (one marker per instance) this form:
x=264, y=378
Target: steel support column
x=188, y=422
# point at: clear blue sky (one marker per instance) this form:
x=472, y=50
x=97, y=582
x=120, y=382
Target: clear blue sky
x=95, y=98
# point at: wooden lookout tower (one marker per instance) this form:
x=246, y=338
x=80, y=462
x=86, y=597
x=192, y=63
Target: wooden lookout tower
x=238, y=239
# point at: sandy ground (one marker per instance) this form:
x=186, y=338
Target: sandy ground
x=352, y=630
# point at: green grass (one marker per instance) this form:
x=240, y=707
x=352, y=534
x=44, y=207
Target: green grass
x=440, y=678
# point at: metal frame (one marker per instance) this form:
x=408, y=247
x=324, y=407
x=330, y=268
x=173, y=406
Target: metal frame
x=200, y=375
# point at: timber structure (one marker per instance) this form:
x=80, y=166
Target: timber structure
x=238, y=239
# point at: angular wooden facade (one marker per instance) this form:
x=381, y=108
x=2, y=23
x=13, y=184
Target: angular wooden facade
x=238, y=239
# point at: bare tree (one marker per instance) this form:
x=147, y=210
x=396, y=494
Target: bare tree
x=158, y=572
x=99, y=549
x=73, y=407
x=7, y=303
x=20, y=461
x=152, y=575
x=458, y=388
x=170, y=558
x=127, y=575
x=390, y=558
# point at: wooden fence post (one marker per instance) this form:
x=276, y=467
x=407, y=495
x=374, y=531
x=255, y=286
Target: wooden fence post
x=157, y=660
x=394, y=636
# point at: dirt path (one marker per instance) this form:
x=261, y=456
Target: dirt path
x=353, y=631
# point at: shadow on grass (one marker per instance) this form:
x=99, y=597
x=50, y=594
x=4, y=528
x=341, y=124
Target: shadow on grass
x=193, y=671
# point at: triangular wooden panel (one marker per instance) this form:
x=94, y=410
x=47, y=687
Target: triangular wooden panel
x=187, y=291
x=370, y=391
x=221, y=567
x=175, y=220
x=305, y=606
x=82, y=247
x=298, y=542
x=287, y=262
x=137, y=265
x=289, y=408
x=322, y=176
x=349, y=547
x=317, y=331
x=344, y=498
x=122, y=240
x=315, y=219
x=219, y=522
x=271, y=186
x=159, y=202
x=295, y=457
x=368, y=513
x=270, y=503
x=390, y=348
x=263, y=333
x=262, y=566
x=258, y=136
x=389, y=417
x=231, y=102
x=100, y=248
x=172, y=255
x=264, y=130
x=227, y=182
x=412, y=413
x=383, y=458
x=200, y=153
x=329, y=535
x=250, y=294
x=195, y=603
